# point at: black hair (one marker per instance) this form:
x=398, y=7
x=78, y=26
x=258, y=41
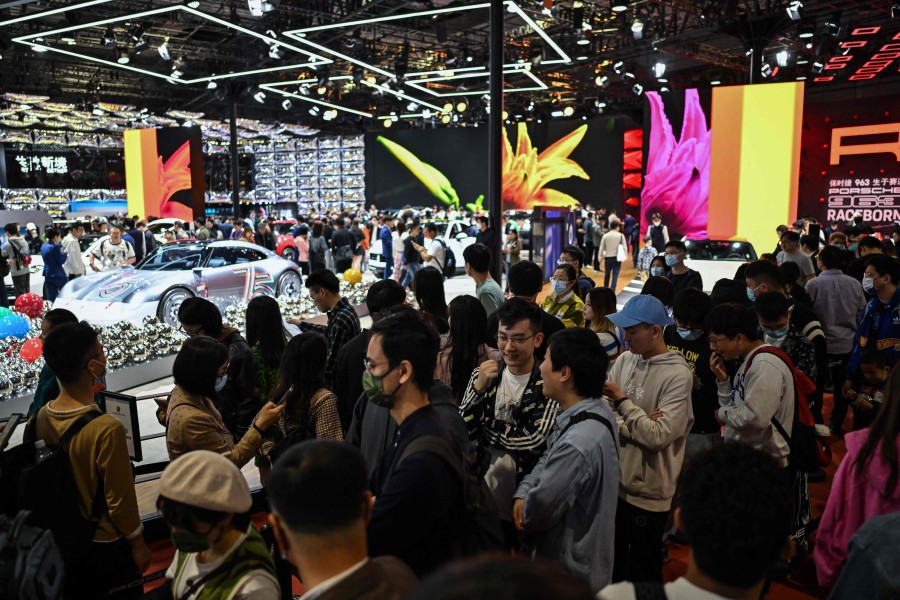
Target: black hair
x=303, y=366
x=660, y=288
x=873, y=357
x=334, y=470
x=428, y=285
x=200, y=311
x=384, y=294
x=571, y=273
x=68, y=349
x=615, y=225
x=730, y=320
x=525, y=278
x=809, y=241
x=197, y=364
x=580, y=350
x=468, y=331
x=790, y=272
x=831, y=257
x=677, y=244
x=51, y=233
x=576, y=253
x=736, y=505
x=323, y=279
x=501, y=577
x=790, y=236
x=485, y=220
x=11, y=228
x=266, y=328
x=60, y=316
x=740, y=274
x=181, y=515
x=519, y=309
x=478, y=256
x=885, y=265
x=408, y=335
x=431, y=227
x=883, y=433
x=691, y=306
x=771, y=306
x=869, y=241
x=659, y=260
x=762, y=271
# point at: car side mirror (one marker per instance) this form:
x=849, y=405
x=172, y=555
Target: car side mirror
x=461, y=236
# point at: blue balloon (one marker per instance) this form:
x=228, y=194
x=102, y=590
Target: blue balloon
x=14, y=325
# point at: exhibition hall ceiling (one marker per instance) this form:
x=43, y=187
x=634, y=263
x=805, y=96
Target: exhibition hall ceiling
x=345, y=65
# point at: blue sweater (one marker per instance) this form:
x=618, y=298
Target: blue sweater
x=54, y=259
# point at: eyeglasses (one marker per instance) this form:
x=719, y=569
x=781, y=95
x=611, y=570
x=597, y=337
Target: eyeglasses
x=369, y=365
x=191, y=333
x=518, y=340
x=716, y=341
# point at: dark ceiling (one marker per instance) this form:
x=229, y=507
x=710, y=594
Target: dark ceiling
x=699, y=41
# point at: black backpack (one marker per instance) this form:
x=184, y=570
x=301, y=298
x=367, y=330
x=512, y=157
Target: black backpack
x=484, y=531
x=47, y=489
x=31, y=567
x=449, y=266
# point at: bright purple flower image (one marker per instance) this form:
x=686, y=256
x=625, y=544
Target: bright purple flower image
x=677, y=180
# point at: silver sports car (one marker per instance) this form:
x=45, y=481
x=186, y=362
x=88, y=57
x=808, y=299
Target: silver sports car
x=225, y=272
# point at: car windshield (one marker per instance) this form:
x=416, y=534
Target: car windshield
x=284, y=228
x=159, y=227
x=719, y=250
x=180, y=257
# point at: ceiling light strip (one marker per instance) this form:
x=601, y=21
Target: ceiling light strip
x=54, y=11
x=399, y=94
x=253, y=72
x=513, y=7
x=148, y=13
x=354, y=24
x=350, y=59
x=99, y=60
x=272, y=88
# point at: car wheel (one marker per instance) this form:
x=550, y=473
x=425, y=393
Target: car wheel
x=289, y=254
x=167, y=311
x=289, y=285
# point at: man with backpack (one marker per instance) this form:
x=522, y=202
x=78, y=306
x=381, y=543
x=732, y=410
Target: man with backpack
x=18, y=259
x=113, y=553
x=568, y=501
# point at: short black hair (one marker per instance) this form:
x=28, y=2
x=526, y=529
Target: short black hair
x=323, y=279
x=478, y=256
x=525, y=278
x=580, y=350
x=677, y=244
x=60, y=316
x=197, y=363
x=790, y=236
x=200, y=311
x=885, y=265
x=431, y=227
x=771, y=306
x=660, y=288
x=576, y=253
x=831, y=257
x=11, y=228
x=869, y=241
x=736, y=505
x=51, y=232
x=407, y=334
x=731, y=319
x=762, y=271
x=691, y=306
x=485, y=220
x=790, y=271
x=68, y=348
x=337, y=473
x=384, y=294
x=809, y=241
x=571, y=273
x=519, y=309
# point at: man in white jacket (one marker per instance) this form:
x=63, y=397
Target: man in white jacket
x=649, y=388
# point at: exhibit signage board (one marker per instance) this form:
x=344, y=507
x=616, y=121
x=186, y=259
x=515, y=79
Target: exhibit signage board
x=124, y=408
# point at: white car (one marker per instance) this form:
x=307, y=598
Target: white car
x=454, y=236
x=717, y=259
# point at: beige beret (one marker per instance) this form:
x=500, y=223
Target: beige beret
x=206, y=480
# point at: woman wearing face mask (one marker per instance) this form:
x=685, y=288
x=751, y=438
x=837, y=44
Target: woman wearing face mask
x=310, y=409
x=205, y=501
x=562, y=302
x=600, y=303
x=192, y=421
x=658, y=267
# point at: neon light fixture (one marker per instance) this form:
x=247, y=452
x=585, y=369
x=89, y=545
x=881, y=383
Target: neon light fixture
x=277, y=88
x=421, y=84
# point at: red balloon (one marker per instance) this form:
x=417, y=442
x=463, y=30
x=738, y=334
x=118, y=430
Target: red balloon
x=32, y=349
x=30, y=305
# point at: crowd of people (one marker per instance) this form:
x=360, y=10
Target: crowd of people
x=436, y=452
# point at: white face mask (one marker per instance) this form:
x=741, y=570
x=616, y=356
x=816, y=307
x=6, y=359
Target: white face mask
x=868, y=284
x=220, y=382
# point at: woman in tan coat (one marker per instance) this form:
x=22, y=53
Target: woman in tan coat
x=192, y=421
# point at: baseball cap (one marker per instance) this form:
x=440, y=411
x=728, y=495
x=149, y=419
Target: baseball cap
x=207, y=480
x=642, y=309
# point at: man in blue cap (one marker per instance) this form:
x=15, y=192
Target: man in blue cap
x=649, y=388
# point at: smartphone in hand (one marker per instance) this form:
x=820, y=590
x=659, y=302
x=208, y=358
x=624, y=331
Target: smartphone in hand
x=284, y=396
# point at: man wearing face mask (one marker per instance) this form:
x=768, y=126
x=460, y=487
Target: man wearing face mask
x=774, y=313
x=116, y=553
x=688, y=337
x=419, y=512
x=205, y=501
x=679, y=274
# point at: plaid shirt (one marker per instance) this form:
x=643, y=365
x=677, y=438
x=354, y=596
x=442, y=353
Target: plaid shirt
x=343, y=326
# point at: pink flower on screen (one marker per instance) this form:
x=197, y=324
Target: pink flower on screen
x=677, y=180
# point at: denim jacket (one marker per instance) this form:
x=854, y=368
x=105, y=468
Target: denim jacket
x=872, y=569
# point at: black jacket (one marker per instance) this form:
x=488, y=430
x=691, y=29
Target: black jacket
x=266, y=240
x=348, y=387
x=239, y=401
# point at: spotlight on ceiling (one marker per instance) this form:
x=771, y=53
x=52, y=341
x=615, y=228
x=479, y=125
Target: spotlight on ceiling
x=601, y=80
x=782, y=58
x=260, y=96
x=637, y=89
x=321, y=90
x=619, y=5
x=371, y=80
x=445, y=118
x=448, y=106
x=141, y=45
x=212, y=85
x=618, y=67
x=109, y=37
x=818, y=66
x=314, y=111
x=637, y=29
x=461, y=106
x=412, y=106
x=715, y=82
x=258, y=8
x=287, y=104
x=583, y=40
x=807, y=30
x=164, y=50
x=387, y=123
x=426, y=113
x=793, y=10
x=568, y=111
x=659, y=69
x=192, y=3
x=330, y=115
x=833, y=25
x=276, y=52
x=766, y=70
x=122, y=56
x=137, y=32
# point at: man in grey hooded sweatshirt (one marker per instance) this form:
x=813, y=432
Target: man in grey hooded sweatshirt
x=649, y=388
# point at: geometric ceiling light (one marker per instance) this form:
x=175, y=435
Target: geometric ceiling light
x=302, y=36
x=283, y=88
x=517, y=78
x=309, y=59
